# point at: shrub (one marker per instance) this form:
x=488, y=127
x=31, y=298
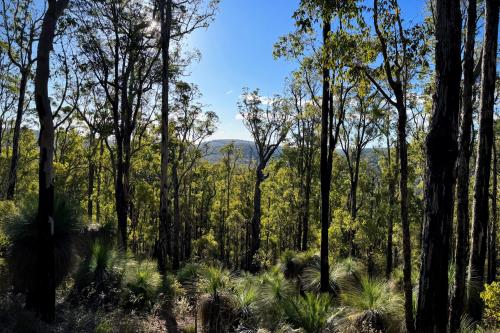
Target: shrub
x=141, y=283
x=189, y=273
x=23, y=236
x=215, y=305
x=309, y=312
x=491, y=298
x=372, y=305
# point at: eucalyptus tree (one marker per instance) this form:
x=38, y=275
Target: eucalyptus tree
x=403, y=50
x=480, y=217
x=20, y=29
x=120, y=48
x=359, y=128
x=43, y=298
x=303, y=90
x=330, y=55
x=177, y=20
x=441, y=153
x=192, y=125
x=268, y=121
x=463, y=177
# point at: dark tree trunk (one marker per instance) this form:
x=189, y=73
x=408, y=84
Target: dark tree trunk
x=307, y=201
x=492, y=243
x=405, y=223
x=483, y=161
x=120, y=198
x=464, y=150
x=164, y=226
x=11, y=185
x=256, y=219
x=441, y=151
x=91, y=176
x=177, y=218
x=390, y=218
x=44, y=296
x=99, y=180
x=325, y=171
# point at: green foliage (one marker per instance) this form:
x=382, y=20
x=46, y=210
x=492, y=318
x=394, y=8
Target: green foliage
x=23, y=236
x=8, y=211
x=491, y=298
x=309, y=312
x=141, y=283
x=213, y=280
x=373, y=305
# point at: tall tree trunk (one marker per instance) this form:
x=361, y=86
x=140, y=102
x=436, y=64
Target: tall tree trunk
x=483, y=162
x=256, y=219
x=405, y=223
x=44, y=295
x=11, y=185
x=441, y=151
x=463, y=179
x=305, y=217
x=163, y=229
x=121, y=204
x=177, y=219
x=99, y=180
x=390, y=218
x=91, y=176
x=492, y=243
x=325, y=171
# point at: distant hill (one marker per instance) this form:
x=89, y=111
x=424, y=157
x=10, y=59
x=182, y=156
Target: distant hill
x=249, y=152
x=247, y=149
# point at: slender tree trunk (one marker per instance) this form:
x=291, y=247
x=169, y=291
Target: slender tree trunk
x=492, y=244
x=121, y=205
x=390, y=220
x=11, y=185
x=177, y=219
x=256, y=219
x=163, y=239
x=483, y=162
x=325, y=171
x=405, y=223
x=44, y=296
x=99, y=180
x=441, y=151
x=464, y=150
x=91, y=176
x=305, y=217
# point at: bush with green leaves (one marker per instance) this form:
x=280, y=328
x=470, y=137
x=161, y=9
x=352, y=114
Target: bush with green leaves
x=491, y=299
x=309, y=312
x=372, y=305
x=343, y=275
x=141, y=284
x=22, y=232
x=216, y=306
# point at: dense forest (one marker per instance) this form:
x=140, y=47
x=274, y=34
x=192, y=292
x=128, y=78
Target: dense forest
x=365, y=202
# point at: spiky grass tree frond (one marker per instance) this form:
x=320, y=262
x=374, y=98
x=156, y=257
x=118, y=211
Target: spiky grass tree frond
x=213, y=280
x=309, y=312
x=343, y=275
x=293, y=264
x=372, y=305
x=22, y=232
x=142, y=277
x=273, y=290
x=141, y=283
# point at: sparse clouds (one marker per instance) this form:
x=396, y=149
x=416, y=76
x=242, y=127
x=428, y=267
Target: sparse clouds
x=229, y=92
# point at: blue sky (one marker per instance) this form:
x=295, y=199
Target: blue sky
x=237, y=52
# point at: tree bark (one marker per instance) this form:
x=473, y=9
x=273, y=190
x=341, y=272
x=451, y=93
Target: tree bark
x=177, y=218
x=256, y=219
x=441, y=151
x=463, y=178
x=325, y=171
x=44, y=294
x=483, y=161
x=492, y=243
x=164, y=226
x=11, y=185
